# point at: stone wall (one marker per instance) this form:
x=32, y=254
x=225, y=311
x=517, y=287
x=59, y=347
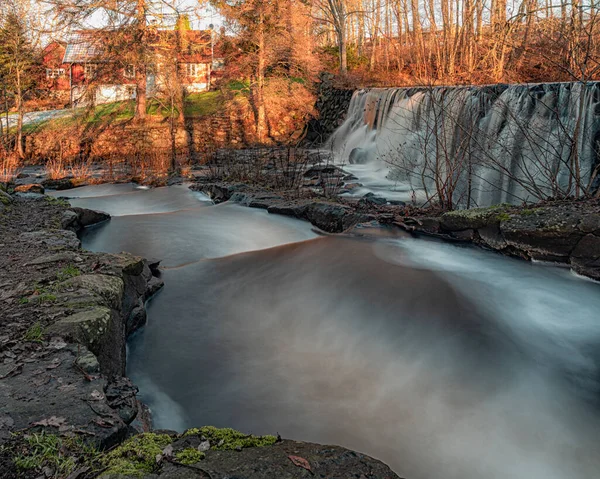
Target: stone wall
x=332, y=107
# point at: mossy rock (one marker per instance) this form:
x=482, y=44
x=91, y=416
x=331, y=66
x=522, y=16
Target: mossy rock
x=136, y=457
x=87, y=327
x=5, y=198
x=474, y=218
x=110, y=288
x=229, y=439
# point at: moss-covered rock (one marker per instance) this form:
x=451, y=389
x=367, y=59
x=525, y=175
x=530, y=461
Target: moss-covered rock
x=136, y=456
x=229, y=439
x=86, y=327
x=110, y=288
x=475, y=218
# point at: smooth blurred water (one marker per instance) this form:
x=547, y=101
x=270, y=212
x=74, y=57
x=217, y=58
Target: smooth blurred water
x=442, y=361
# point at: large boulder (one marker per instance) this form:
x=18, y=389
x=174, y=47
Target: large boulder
x=331, y=217
x=87, y=217
x=59, y=184
x=547, y=233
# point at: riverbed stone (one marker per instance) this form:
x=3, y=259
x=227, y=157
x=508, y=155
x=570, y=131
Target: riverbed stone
x=87, y=217
x=585, y=258
x=58, y=184
x=30, y=188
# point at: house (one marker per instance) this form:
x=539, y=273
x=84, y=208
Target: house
x=83, y=68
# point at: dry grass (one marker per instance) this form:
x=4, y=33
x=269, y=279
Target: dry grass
x=9, y=168
x=81, y=170
x=56, y=168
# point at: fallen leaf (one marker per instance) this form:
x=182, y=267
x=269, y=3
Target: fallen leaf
x=52, y=421
x=102, y=423
x=300, y=462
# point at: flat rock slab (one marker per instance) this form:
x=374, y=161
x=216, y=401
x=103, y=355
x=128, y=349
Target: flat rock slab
x=53, y=239
x=50, y=390
x=284, y=460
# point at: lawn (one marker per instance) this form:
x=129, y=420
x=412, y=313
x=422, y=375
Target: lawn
x=196, y=105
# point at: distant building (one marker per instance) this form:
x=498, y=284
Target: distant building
x=82, y=68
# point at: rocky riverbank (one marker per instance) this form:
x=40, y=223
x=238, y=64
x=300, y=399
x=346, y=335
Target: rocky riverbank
x=563, y=232
x=66, y=408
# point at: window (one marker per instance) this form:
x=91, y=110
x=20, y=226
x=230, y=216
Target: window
x=129, y=71
x=130, y=89
x=54, y=73
x=90, y=70
x=193, y=69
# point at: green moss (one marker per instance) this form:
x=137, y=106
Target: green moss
x=226, y=438
x=189, y=456
x=503, y=217
x=528, y=212
x=67, y=272
x=4, y=200
x=57, y=201
x=35, y=333
x=24, y=300
x=136, y=456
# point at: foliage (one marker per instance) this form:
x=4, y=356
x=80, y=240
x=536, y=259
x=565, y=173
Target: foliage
x=63, y=455
x=136, y=456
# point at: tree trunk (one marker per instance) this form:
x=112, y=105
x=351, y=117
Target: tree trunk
x=140, y=73
x=260, y=81
x=20, y=113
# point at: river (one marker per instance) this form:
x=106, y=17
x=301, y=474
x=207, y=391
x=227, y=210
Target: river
x=441, y=360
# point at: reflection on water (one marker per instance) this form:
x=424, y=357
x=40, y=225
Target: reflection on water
x=441, y=361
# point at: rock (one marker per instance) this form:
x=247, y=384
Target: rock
x=548, y=234
x=585, y=258
x=318, y=171
x=110, y=288
x=154, y=264
x=30, y=188
x=29, y=196
x=295, y=209
x=492, y=237
x=87, y=327
x=5, y=198
x=472, y=219
x=331, y=217
x=59, y=184
x=52, y=388
x=87, y=217
x=372, y=199
x=70, y=220
x=87, y=361
x=120, y=394
x=464, y=235
x=358, y=156
x=136, y=319
x=54, y=239
x=66, y=256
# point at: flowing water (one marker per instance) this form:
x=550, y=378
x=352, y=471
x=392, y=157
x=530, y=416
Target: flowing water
x=442, y=361
x=479, y=145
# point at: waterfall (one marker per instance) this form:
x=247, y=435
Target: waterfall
x=474, y=146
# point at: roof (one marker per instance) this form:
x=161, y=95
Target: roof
x=87, y=46
x=82, y=47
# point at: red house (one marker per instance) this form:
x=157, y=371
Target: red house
x=78, y=66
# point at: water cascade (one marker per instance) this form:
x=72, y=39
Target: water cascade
x=473, y=146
